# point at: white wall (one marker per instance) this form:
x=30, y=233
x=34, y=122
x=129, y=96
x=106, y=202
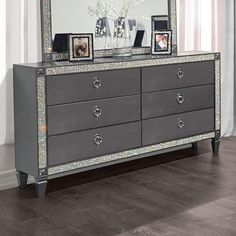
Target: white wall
x=20, y=43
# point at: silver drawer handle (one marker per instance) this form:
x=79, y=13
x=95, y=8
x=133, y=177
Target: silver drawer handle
x=180, y=73
x=181, y=123
x=180, y=99
x=97, y=111
x=97, y=83
x=98, y=139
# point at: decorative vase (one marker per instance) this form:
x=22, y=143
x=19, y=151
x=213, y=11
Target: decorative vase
x=122, y=46
x=103, y=34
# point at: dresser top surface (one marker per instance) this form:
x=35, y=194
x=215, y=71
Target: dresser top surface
x=118, y=60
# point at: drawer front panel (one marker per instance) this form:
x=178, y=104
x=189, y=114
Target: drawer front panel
x=90, y=86
x=177, y=126
x=177, y=76
x=94, y=114
x=177, y=101
x=87, y=144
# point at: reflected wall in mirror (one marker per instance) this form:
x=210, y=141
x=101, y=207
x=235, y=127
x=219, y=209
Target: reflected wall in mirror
x=76, y=16
x=62, y=17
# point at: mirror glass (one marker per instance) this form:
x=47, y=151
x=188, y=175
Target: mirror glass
x=77, y=16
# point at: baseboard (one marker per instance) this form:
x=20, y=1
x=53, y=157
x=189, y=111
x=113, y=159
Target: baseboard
x=8, y=180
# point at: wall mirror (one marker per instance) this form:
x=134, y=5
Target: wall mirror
x=62, y=17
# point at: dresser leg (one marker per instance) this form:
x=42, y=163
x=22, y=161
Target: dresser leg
x=215, y=145
x=22, y=179
x=40, y=188
x=195, y=146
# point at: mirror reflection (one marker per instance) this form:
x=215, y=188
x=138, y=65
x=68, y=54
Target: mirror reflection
x=105, y=19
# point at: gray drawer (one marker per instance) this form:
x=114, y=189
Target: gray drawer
x=177, y=101
x=90, y=86
x=169, y=128
x=165, y=77
x=84, y=145
x=94, y=114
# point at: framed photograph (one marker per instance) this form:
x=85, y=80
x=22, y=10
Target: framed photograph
x=160, y=22
x=81, y=47
x=162, y=42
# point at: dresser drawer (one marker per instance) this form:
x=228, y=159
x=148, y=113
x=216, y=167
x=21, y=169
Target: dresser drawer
x=93, y=114
x=177, y=126
x=92, y=143
x=89, y=86
x=177, y=101
x=177, y=76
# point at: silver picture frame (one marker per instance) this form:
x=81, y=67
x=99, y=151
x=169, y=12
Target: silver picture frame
x=157, y=48
x=90, y=47
x=46, y=33
x=160, y=18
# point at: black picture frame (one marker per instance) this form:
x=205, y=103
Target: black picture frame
x=139, y=38
x=164, y=46
x=80, y=53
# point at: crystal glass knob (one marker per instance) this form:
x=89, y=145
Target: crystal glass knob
x=181, y=123
x=180, y=99
x=180, y=73
x=97, y=112
x=98, y=139
x=97, y=83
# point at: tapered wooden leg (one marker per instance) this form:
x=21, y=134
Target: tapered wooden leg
x=22, y=179
x=215, y=145
x=40, y=188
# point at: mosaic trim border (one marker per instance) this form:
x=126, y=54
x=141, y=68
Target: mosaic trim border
x=218, y=94
x=126, y=64
x=46, y=28
x=42, y=123
x=173, y=23
x=127, y=154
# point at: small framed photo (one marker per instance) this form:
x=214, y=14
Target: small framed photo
x=81, y=47
x=160, y=22
x=162, y=42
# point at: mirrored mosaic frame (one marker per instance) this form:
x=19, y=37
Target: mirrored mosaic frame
x=44, y=171
x=46, y=34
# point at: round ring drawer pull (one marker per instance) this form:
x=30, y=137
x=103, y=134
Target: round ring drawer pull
x=97, y=83
x=97, y=112
x=180, y=99
x=98, y=139
x=180, y=73
x=181, y=123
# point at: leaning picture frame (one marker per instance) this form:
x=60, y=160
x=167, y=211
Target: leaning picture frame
x=162, y=42
x=80, y=47
x=160, y=22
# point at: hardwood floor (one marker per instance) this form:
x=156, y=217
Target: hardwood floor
x=195, y=195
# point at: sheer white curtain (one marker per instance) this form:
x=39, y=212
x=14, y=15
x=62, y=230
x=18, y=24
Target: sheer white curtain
x=2, y=66
x=19, y=43
x=208, y=25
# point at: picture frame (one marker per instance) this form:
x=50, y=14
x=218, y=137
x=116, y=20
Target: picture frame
x=162, y=42
x=160, y=22
x=139, y=38
x=81, y=47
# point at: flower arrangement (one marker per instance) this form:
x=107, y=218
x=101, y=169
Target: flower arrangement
x=113, y=10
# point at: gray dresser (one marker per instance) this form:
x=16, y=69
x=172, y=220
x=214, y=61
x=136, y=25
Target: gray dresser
x=72, y=117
